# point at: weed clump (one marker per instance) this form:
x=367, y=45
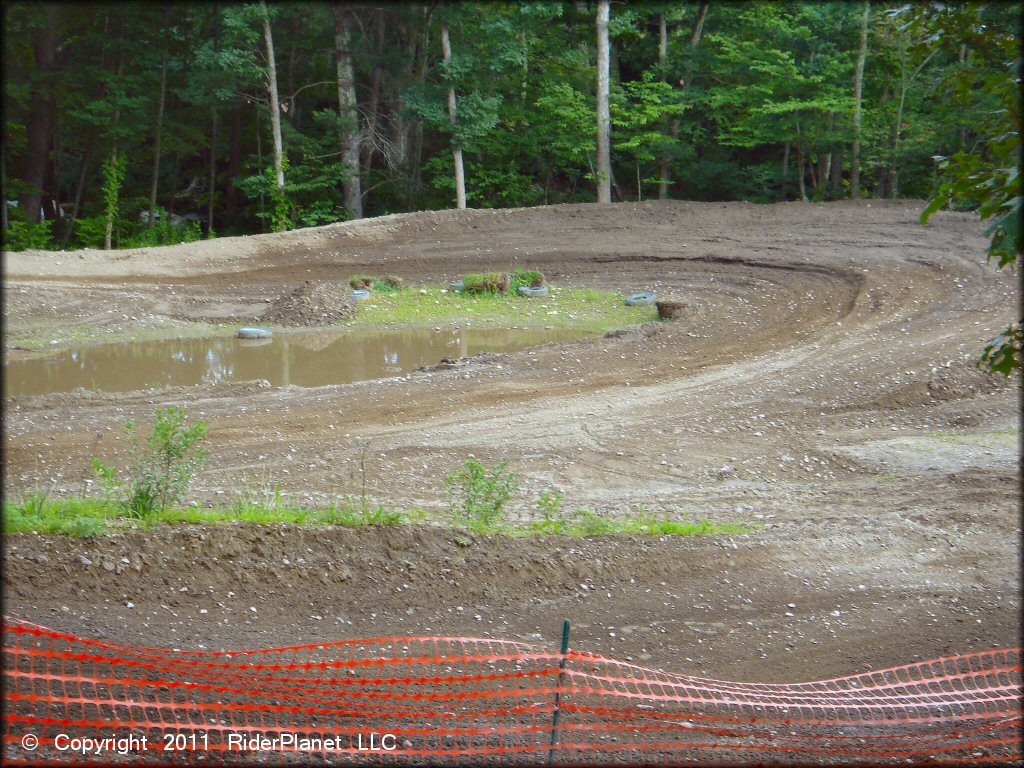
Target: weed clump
x=162, y=466
x=362, y=282
x=477, y=495
x=530, y=278
x=487, y=282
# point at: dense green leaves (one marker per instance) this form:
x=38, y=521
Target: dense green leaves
x=761, y=109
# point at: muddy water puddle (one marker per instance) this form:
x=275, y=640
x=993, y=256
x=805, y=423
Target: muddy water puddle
x=305, y=359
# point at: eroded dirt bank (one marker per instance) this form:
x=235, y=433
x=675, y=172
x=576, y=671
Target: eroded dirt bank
x=820, y=384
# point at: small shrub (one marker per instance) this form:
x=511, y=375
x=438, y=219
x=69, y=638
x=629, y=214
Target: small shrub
x=477, y=495
x=361, y=282
x=23, y=235
x=89, y=231
x=163, y=232
x=161, y=468
x=489, y=282
x=550, y=506
x=531, y=278
x=393, y=281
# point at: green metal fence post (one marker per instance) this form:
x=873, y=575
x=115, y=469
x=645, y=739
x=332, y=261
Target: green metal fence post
x=558, y=692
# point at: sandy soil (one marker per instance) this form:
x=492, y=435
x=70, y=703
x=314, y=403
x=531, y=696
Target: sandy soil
x=820, y=384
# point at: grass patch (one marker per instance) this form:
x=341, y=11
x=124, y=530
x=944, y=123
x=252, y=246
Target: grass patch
x=1000, y=438
x=585, y=309
x=637, y=522
x=87, y=517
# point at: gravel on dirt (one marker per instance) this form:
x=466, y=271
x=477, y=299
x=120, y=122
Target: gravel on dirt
x=820, y=386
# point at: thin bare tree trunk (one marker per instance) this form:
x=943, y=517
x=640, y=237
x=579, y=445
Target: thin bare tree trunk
x=373, y=102
x=604, y=166
x=698, y=25
x=174, y=184
x=785, y=170
x=695, y=36
x=3, y=183
x=800, y=173
x=275, y=106
x=211, y=187
x=348, y=115
x=108, y=235
x=79, y=191
x=800, y=165
x=460, y=173
x=662, y=55
x=837, y=173
x=154, y=182
x=234, y=166
x=39, y=125
x=858, y=86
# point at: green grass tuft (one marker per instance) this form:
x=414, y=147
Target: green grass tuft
x=587, y=310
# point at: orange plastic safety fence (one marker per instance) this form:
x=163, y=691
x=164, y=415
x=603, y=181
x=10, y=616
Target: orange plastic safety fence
x=423, y=700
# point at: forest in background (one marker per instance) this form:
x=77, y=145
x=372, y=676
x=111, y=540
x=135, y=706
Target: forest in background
x=144, y=123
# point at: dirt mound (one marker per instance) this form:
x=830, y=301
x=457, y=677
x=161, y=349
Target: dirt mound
x=312, y=304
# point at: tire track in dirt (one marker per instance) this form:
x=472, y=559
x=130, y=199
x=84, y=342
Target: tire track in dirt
x=826, y=351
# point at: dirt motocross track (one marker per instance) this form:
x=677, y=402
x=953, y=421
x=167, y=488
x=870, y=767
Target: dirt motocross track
x=820, y=385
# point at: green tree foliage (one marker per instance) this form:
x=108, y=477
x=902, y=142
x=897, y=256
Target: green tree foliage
x=760, y=110
x=985, y=176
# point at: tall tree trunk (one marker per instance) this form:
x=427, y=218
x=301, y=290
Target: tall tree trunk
x=662, y=55
x=417, y=136
x=154, y=182
x=373, y=102
x=785, y=170
x=673, y=130
x=800, y=165
x=52, y=205
x=275, y=107
x=3, y=184
x=698, y=25
x=108, y=235
x=837, y=173
x=39, y=124
x=898, y=126
x=348, y=115
x=174, y=184
x=604, y=166
x=79, y=191
x=800, y=174
x=212, y=185
x=460, y=173
x=234, y=167
x=259, y=164
x=858, y=85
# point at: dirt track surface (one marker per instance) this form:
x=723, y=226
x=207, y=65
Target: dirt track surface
x=820, y=384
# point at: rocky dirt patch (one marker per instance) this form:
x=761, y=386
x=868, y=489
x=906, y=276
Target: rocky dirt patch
x=820, y=385
x=312, y=305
